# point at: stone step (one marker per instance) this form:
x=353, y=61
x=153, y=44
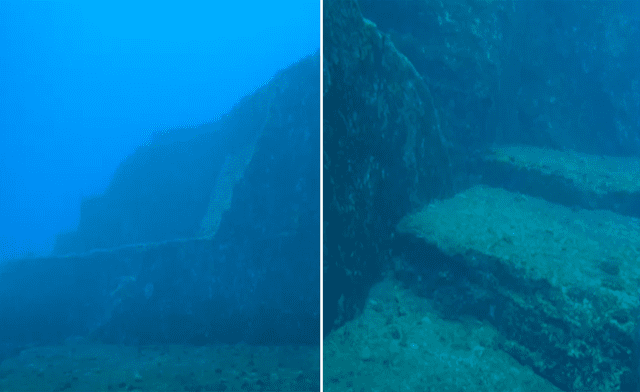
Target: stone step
x=566, y=177
x=187, y=291
x=560, y=283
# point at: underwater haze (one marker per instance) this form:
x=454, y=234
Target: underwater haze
x=83, y=84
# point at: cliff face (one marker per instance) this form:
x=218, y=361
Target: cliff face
x=205, y=235
x=384, y=153
x=554, y=75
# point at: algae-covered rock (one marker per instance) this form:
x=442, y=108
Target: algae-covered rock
x=384, y=152
x=560, y=284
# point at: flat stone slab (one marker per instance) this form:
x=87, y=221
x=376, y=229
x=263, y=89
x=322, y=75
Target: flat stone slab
x=80, y=365
x=567, y=177
x=188, y=291
x=399, y=343
x=563, y=282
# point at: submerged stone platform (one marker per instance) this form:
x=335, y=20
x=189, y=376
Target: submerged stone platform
x=566, y=177
x=204, y=235
x=559, y=283
x=183, y=291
